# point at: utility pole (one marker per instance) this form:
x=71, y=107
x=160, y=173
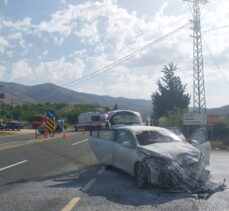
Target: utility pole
x=199, y=100
x=2, y=96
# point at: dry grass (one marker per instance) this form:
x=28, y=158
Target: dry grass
x=219, y=145
x=5, y=133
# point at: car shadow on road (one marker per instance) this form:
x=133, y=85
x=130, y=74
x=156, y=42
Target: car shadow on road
x=115, y=186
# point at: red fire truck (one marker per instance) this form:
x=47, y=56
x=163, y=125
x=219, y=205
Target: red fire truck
x=38, y=120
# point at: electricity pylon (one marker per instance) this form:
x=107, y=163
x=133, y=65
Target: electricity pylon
x=199, y=100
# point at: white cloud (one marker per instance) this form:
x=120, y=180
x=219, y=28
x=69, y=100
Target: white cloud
x=50, y=71
x=3, y=44
x=21, y=70
x=59, y=70
x=64, y=2
x=6, y=2
x=104, y=33
x=2, y=72
x=23, y=25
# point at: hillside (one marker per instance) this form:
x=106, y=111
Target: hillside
x=224, y=110
x=19, y=94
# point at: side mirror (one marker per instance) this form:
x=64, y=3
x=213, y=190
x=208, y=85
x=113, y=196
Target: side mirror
x=194, y=142
x=127, y=144
x=108, y=124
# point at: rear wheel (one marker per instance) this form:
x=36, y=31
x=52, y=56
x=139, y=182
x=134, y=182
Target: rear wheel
x=108, y=167
x=140, y=175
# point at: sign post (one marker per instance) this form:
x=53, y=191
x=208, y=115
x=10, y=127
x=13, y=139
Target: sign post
x=192, y=120
x=212, y=120
x=195, y=119
x=50, y=124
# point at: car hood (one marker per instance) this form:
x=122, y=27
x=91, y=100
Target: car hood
x=176, y=151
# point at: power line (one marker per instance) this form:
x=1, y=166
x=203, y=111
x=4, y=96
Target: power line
x=118, y=62
x=217, y=28
x=124, y=59
x=216, y=63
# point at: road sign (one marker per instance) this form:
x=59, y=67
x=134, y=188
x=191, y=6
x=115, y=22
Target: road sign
x=195, y=119
x=50, y=125
x=212, y=120
x=50, y=114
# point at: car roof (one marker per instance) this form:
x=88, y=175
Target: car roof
x=117, y=111
x=140, y=128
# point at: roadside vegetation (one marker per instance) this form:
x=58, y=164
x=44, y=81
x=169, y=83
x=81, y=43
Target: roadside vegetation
x=170, y=103
x=64, y=111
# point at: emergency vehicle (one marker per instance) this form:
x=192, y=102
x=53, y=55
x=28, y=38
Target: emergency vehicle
x=91, y=120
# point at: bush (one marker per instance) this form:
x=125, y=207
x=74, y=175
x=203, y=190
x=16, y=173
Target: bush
x=221, y=131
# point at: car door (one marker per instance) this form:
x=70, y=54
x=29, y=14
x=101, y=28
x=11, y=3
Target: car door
x=199, y=139
x=101, y=142
x=124, y=151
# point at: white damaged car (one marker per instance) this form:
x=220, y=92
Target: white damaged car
x=152, y=155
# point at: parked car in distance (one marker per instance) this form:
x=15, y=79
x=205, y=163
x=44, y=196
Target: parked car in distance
x=132, y=148
x=2, y=126
x=13, y=125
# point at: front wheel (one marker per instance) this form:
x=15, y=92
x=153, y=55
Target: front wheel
x=141, y=176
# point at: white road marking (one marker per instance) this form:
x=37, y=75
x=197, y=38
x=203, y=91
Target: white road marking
x=71, y=204
x=89, y=184
x=79, y=142
x=15, y=164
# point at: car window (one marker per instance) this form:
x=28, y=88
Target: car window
x=200, y=136
x=103, y=134
x=123, y=135
x=95, y=118
x=125, y=118
x=106, y=135
x=147, y=137
x=94, y=133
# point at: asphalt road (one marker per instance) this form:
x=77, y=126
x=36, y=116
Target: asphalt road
x=63, y=174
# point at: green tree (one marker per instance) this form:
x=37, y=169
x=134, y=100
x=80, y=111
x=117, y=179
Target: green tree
x=170, y=94
x=115, y=107
x=174, y=118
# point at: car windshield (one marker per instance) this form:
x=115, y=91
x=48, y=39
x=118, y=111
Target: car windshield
x=147, y=137
x=125, y=118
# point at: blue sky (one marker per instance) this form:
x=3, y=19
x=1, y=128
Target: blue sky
x=60, y=41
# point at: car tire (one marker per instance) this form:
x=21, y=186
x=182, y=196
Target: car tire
x=140, y=175
x=108, y=167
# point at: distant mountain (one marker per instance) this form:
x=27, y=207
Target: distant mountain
x=222, y=111
x=19, y=94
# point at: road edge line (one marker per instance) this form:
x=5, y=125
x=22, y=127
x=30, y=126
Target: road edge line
x=71, y=204
x=15, y=164
x=79, y=142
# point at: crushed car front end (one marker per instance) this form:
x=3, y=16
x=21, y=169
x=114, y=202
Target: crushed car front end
x=169, y=174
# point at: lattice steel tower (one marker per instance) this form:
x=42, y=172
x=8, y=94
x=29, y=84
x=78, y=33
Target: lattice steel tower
x=199, y=100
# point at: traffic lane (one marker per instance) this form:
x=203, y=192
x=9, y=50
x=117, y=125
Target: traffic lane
x=43, y=194
x=16, y=138
x=115, y=190
x=46, y=158
x=219, y=159
x=21, y=136
x=97, y=189
x=22, y=142
x=33, y=191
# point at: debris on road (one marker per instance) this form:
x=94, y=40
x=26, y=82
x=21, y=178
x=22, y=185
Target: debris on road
x=190, y=176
